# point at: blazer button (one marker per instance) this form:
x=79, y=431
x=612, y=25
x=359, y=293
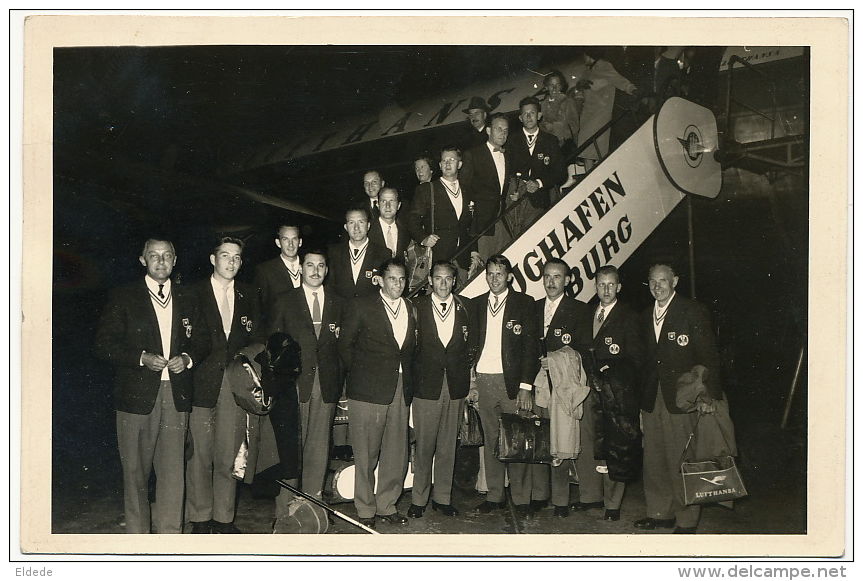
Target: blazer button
x=314, y=368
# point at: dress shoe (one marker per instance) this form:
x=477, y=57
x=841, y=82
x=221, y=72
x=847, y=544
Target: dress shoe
x=585, y=505
x=444, y=509
x=537, y=505
x=611, y=514
x=201, y=528
x=416, y=511
x=685, y=530
x=369, y=522
x=561, y=511
x=394, y=518
x=648, y=524
x=523, y=510
x=488, y=506
x=224, y=528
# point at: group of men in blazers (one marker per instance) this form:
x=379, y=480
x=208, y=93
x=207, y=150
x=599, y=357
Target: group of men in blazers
x=398, y=361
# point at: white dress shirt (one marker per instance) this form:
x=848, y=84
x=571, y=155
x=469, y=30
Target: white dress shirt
x=444, y=318
x=164, y=315
x=499, y=163
x=548, y=313
x=397, y=313
x=357, y=263
x=219, y=291
x=491, y=358
x=657, y=327
x=310, y=298
x=453, y=190
x=386, y=229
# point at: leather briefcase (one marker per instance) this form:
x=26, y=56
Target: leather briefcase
x=525, y=439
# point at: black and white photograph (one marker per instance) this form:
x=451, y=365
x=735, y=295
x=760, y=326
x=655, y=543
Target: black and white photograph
x=554, y=283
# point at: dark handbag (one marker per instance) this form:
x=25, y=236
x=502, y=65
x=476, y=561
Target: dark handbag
x=523, y=439
x=712, y=480
x=470, y=430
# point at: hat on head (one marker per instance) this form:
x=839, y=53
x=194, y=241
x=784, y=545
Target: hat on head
x=477, y=103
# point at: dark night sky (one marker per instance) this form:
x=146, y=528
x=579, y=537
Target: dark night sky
x=191, y=107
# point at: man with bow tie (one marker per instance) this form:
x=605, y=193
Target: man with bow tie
x=377, y=346
x=373, y=183
x=442, y=371
x=231, y=310
x=153, y=335
x=313, y=317
x=485, y=174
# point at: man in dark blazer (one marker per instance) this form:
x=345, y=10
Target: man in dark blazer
x=485, y=174
x=678, y=336
x=282, y=273
x=389, y=230
x=536, y=158
x=619, y=354
x=373, y=182
x=442, y=380
x=231, y=311
x=377, y=347
x=353, y=262
x=446, y=227
x=313, y=317
x=563, y=321
x=151, y=332
x=507, y=362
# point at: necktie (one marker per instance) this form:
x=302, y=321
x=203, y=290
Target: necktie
x=530, y=138
x=161, y=294
x=356, y=252
x=225, y=312
x=391, y=243
x=496, y=301
x=443, y=307
x=316, y=314
x=547, y=320
x=597, y=322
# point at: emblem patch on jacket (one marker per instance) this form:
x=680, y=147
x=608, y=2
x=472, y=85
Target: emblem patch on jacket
x=614, y=348
x=516, y=329
x=683, y=340
x=464, y=332
x=672, y=335
x=188, y=327
x=247, y=323
x=609, y=341
x=566, y=339
x=368, y=274
x=557, y=332
x=509, y=324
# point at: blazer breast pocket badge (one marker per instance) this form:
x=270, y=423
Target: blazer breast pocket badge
x=566, y=339
x=516, y=329
x=683, y=340
x=247, y=323
x=188, y=327
x=614, y=348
